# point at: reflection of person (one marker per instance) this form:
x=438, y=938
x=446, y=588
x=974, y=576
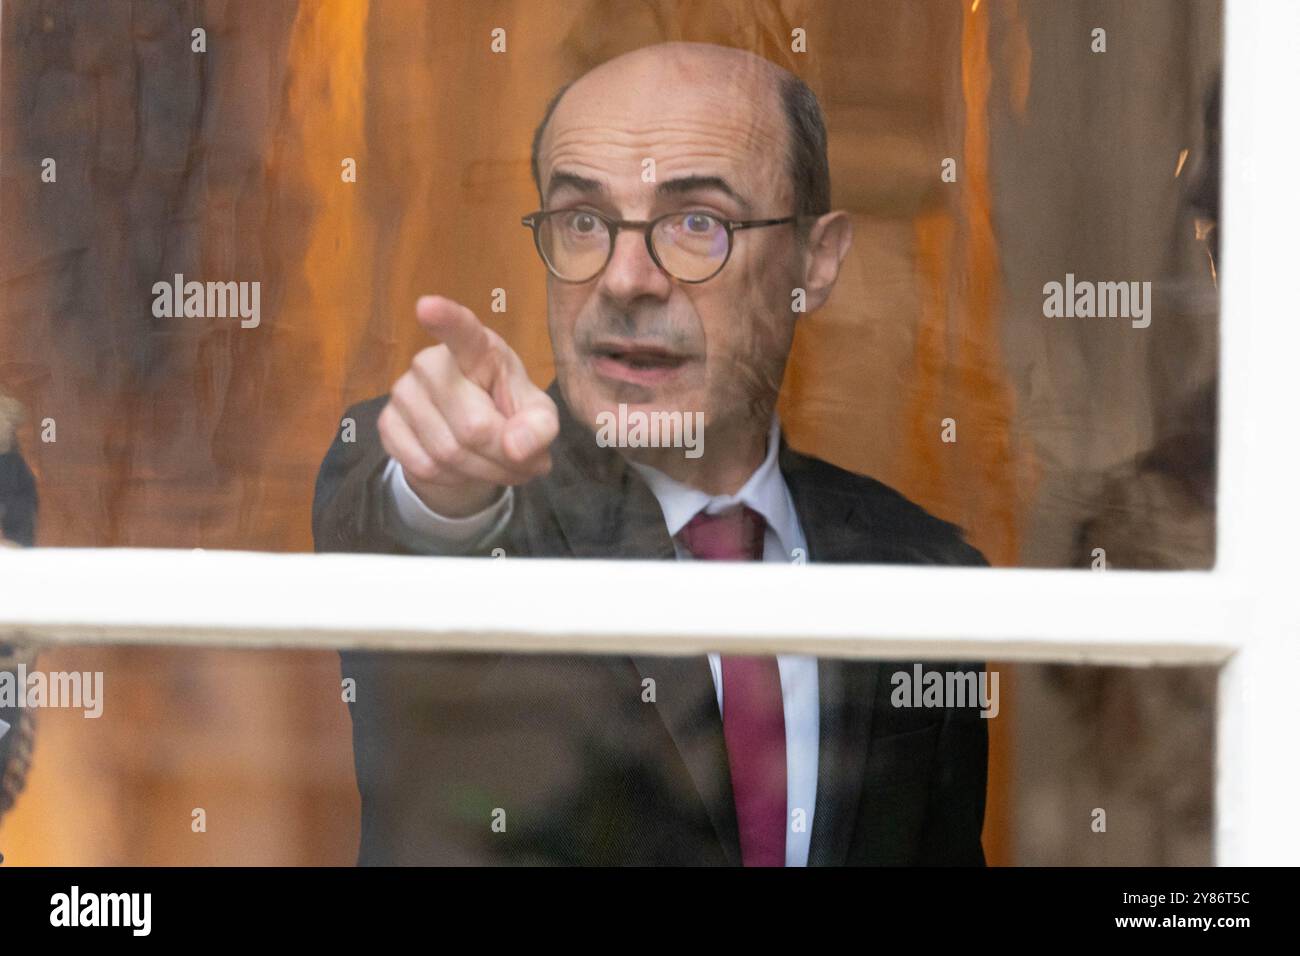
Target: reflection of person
x=17, y=527
x=17, y=486
x=669, y=293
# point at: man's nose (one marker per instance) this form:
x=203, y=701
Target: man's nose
x=631, y=273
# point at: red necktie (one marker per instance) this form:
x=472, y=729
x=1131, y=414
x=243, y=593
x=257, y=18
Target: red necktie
x=753, y=718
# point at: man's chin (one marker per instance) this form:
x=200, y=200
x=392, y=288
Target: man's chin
x=594, y=395
x=621, y=410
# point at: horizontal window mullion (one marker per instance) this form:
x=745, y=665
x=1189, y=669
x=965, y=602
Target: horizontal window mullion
x=255, y=599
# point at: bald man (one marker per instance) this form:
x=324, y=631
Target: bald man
x=669, y=306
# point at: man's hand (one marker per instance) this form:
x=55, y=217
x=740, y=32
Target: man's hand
x=464, y=420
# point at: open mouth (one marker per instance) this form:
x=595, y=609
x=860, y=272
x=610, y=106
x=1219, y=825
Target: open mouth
x=641, y=358
x=633, y=362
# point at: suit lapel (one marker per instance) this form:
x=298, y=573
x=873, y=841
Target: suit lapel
x=847, y=691
x=837, y=529
x=686, y=701
x=604, y=509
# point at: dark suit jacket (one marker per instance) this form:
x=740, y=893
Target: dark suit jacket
x=564, y=750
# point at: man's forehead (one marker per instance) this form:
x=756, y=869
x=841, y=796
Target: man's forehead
x=724, y=107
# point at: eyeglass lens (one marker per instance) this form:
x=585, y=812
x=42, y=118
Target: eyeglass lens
x=691, y=246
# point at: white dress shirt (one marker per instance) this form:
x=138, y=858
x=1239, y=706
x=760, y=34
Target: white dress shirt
x=766, y=493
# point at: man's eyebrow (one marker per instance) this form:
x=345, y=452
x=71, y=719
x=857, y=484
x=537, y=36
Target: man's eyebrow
x=566, y=180
x=687, y=184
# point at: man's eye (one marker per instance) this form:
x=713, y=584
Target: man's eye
x=699, y=223
x=583, y=223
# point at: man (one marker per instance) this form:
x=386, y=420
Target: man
x=669, y=295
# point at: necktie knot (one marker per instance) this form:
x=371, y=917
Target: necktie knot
x=733, y=535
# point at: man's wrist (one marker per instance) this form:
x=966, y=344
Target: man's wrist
x=425, y=529
x=454, y=505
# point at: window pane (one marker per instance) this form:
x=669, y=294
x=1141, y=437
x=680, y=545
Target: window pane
x=991, y=336
x=213, y=260
x=247, y=757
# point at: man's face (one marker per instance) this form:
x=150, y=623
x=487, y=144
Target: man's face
x=714, y=129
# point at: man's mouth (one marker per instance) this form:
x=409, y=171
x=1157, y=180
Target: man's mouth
x=636, y=362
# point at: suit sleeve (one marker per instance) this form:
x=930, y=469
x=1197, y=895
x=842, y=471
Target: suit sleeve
x=955, y=816
x=357, y=507
x=955, y=812
x=348, y=510
x=402, y=703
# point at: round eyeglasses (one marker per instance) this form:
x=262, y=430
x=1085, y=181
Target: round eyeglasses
x=691, y=246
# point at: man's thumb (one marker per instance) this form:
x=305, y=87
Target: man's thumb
x=531, y=430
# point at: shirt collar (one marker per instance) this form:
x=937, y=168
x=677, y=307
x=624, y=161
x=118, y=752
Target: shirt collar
x=765, y=492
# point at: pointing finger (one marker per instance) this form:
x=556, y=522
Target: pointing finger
x=460, y=330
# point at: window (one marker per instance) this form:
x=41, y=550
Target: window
x=1235, y=614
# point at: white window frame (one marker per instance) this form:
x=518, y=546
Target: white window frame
x=1243, y=615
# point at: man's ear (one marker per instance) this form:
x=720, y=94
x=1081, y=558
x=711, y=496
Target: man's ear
x=827, y=244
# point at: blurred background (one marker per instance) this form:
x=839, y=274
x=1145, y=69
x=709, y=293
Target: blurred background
x=1073, y=434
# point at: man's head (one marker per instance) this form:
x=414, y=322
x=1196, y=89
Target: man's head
x=689, y=127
